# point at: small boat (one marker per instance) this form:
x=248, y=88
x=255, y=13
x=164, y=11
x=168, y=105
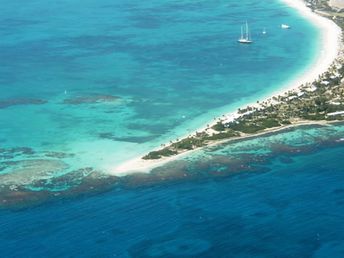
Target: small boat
x=285, y=26
x=264, y=31
x=245, y=36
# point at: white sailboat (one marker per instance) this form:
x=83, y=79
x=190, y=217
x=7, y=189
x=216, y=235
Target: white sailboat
x=245, y=36
x=264, y=31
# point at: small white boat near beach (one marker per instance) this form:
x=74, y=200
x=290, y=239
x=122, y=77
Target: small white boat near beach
x=285, y=26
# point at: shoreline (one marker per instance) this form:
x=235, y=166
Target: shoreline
x=329, y=49
x=139, y=165
x=330, y=46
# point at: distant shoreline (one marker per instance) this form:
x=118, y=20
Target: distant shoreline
x=331, y=45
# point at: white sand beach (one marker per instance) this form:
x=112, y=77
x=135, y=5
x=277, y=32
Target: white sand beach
x=337, y=3
x=330, y=45
x=328, y=52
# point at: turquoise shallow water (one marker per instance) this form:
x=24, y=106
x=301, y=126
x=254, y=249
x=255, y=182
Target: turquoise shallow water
x=86, y=86
x=172, y=65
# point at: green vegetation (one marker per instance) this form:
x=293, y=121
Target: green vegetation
x=219, y=127
x=188, y=143
x=318, y=101
x=249, y=126
x=160, y=153
x=285, y=122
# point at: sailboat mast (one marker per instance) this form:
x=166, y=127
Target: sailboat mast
x=247, y=35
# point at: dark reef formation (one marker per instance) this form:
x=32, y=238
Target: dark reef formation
x=21, y=101
x=92, y=99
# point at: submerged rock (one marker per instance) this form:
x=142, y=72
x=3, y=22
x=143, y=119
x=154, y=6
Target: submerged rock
x=134, y=139
x=59, y=155
x=91, y=99
x=21, y=101
x=11, y=153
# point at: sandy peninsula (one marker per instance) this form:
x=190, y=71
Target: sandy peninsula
x=330, y=49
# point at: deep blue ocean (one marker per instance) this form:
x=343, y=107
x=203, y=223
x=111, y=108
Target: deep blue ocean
x=290, y=204
x=87, y=85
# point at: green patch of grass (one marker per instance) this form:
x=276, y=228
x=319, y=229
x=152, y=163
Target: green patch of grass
x=245, y=127
x=254, y=126
x=315, y=117
x=269, y=123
